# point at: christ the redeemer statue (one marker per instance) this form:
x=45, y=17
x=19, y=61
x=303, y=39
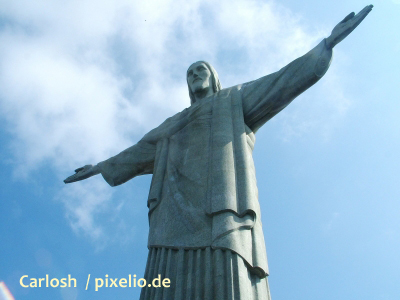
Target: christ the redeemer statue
x=205, y=227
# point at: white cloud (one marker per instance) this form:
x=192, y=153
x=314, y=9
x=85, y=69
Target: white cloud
x=82, y=80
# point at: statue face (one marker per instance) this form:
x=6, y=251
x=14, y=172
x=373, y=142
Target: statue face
x=199, y=77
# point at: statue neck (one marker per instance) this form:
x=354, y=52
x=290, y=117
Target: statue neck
x=198, y=95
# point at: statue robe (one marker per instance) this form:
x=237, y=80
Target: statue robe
x=203, y=193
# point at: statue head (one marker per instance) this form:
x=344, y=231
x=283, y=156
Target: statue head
x=201, y=76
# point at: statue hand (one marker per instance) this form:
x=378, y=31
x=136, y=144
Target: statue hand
x=345, y=27
x=83, y=173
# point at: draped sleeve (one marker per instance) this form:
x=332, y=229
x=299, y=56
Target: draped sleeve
x=134, y=161
x=265, y=97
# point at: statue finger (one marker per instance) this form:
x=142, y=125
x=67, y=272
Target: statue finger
x=79, y=169
x=364, y=12
x=361, y=16
x=348, y=17
x=366, y=9
x=70, y=179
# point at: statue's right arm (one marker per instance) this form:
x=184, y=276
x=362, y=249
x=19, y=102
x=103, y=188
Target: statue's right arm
x=267, y=96
x=134, y=161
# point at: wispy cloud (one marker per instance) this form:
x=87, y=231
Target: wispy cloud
x=331, y=222
x=82, y=80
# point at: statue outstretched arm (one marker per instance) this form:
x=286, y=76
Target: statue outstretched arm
x=134, y=161
x=267, y=96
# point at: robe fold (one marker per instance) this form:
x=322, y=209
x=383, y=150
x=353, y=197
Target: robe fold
x=203, y=192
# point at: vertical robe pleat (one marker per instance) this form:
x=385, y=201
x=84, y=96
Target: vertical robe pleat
x=202, y=274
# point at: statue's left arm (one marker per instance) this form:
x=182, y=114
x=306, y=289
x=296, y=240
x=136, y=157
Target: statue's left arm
x=133, y=161
x=136, y=160
x=265, y=97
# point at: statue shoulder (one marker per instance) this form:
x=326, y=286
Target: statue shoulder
x=226, y=92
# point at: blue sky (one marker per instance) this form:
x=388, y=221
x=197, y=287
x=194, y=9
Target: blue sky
x=82, y=80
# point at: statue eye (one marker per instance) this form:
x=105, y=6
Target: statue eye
x=190, y=73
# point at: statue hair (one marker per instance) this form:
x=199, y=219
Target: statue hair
x=216, y=84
